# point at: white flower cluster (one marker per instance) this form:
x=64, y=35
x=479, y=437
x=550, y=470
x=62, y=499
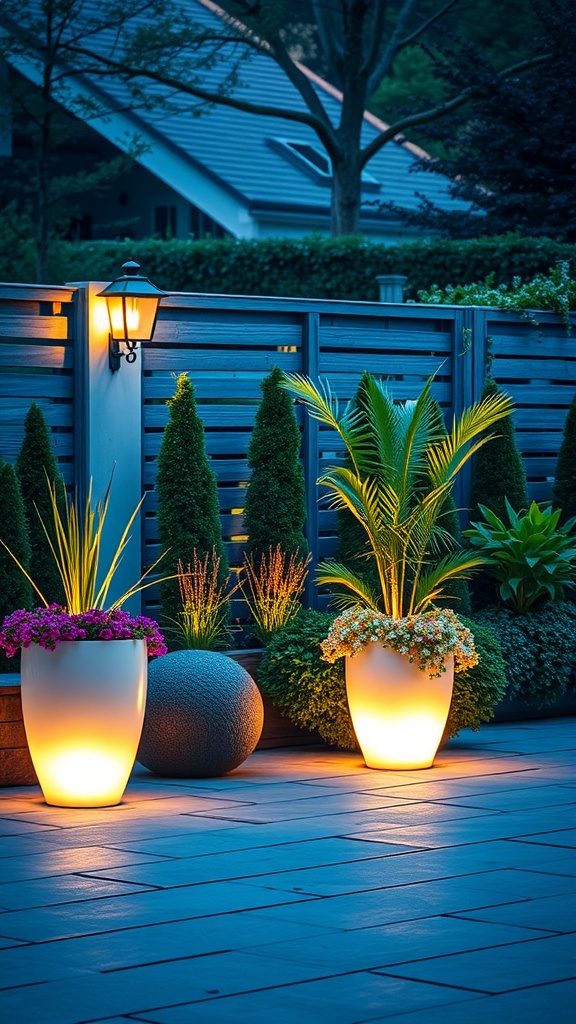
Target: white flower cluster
x=428, y=639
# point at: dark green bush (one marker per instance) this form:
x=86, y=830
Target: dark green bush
x=275, y=510
x=539, y=649
x=15, y=590
x=188, y=511
x=36, y=462
x=478, y=690
x=564, y=490
x=498, y=471
x=309, y=691
x=332, y=268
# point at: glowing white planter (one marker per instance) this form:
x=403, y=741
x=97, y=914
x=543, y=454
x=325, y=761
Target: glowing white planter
x=398, y=712
x=83, y=708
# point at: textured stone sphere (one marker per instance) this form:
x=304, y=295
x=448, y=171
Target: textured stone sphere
x=204, y=715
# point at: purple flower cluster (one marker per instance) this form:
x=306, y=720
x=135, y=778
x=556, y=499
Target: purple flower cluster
x=51, y=626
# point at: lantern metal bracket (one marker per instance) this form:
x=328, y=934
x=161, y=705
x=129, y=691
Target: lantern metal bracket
x=115, y=353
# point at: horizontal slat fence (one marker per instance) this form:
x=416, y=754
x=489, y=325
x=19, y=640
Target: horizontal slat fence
x=536, y=365
x=37, y=365
x=228, y=344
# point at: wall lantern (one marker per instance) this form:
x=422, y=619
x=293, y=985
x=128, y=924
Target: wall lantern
x=132, y=301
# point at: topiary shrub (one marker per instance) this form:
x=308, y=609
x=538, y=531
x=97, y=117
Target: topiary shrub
x=35, y=464
x=15, y=590
x=275, y=510
x=478, y=690
x=352, y=539
x=539, y=649
x=498, y=473
x=564, y=490
x=498, y=469
x=188, y=513
x=307, y=690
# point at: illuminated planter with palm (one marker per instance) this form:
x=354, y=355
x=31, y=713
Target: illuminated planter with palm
x=400, y=648
x=84, y=670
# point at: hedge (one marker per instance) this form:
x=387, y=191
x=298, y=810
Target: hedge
x=311, y=267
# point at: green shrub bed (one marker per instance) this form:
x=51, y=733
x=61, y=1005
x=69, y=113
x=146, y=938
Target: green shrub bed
x=310, y=267
x=312, y=693
x=539, y=649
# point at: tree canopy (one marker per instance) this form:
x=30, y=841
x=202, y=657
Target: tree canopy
x=194, y=58
x=511, y=154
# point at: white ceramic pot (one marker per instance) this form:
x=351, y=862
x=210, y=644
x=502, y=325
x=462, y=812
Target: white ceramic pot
x=83, y=708
x=398, y=711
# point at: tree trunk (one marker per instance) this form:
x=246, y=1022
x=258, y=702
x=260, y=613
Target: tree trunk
x=346, y=196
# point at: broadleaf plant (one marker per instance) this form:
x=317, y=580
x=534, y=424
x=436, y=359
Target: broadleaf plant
x=533, y=558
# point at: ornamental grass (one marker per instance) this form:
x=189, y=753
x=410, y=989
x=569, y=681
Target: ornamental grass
x=203, y=621
x=272, y=589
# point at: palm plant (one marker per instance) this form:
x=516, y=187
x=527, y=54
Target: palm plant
x=402, y=466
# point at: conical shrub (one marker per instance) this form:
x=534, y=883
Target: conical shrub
x=15, y=590
x=564, y=490
x=36, y=464
x=498, y=470
x=275, y=508
x=188, y=513
x=498, y=473
x=352, y=539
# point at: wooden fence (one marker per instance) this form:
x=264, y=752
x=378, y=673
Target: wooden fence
x=228, y=344
x=38, y=326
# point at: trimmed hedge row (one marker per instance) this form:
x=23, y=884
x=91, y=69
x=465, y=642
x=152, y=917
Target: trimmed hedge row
x=312, y=267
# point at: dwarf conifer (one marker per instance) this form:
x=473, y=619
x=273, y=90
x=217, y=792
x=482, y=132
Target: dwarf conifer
x=564, y=490
x=36, y=464
x=188, y=512
x=498, y=471
x=275, y=510
x=15, y=590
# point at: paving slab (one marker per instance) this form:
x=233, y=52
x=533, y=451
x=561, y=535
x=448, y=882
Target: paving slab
x=302, y=887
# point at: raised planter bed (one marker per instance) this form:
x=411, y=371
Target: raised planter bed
x=16, y=768
x=278, y=731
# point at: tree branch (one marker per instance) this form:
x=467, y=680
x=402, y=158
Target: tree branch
x=408, y=40
x=392, y=47
x=107, y=66
x=443, y=108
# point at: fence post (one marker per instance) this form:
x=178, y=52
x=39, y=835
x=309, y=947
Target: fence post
x=391, y=287
x=469, y=347
x=108, y=427
x=310, y=365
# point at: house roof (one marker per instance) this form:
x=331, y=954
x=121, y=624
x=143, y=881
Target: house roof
x=235, y=164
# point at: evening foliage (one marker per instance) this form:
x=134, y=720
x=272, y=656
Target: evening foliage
x=275, y=510
x=36, y=464
x=188, y=512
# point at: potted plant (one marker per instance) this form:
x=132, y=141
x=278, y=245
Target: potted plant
x=400, y=648
x=84, y=666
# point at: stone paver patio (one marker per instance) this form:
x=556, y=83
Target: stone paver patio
x=303, y=888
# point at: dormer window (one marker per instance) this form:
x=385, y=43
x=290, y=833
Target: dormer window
x=314, y=162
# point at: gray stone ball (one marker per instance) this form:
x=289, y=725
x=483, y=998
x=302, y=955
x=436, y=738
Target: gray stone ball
x=204, y=715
